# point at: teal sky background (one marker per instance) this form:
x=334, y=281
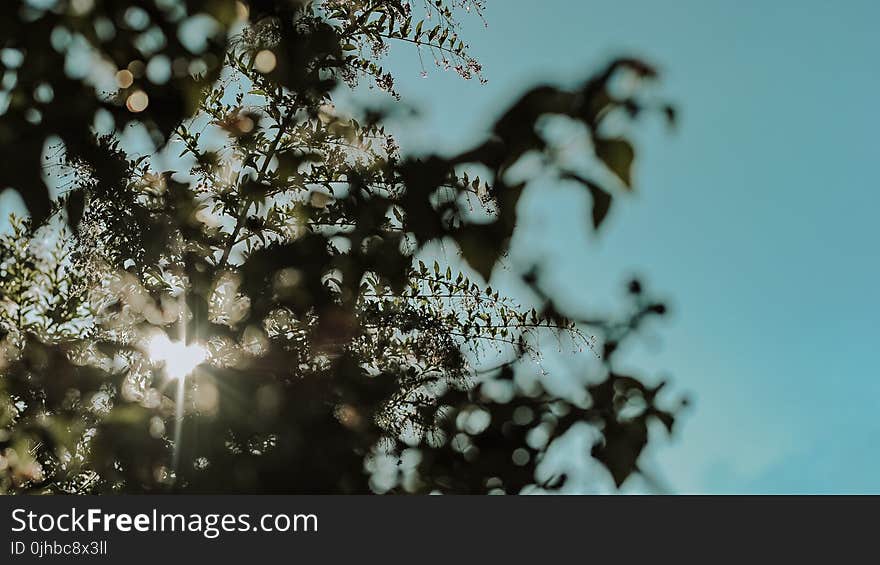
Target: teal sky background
x=756, y=218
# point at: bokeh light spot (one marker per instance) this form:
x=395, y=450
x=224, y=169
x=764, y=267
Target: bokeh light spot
x=265, y=61
x=137, y=101
x=124, y=78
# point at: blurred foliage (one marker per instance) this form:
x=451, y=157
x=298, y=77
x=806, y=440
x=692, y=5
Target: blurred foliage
x=294, y=244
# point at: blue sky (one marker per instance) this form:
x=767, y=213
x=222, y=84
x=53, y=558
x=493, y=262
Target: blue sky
x=756, y=218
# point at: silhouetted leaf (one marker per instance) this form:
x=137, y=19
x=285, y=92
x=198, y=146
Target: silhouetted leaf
x=601, y=198
x=618, y=155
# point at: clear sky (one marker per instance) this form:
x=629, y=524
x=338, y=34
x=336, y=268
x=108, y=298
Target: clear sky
x=757, y=218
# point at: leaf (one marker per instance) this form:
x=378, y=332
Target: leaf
x=478, y=249
x=601, y=198
x=619, y=451
x=255, y=190
x=617, y=155
x=601, y=204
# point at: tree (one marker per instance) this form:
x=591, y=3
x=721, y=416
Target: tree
x=264, y=315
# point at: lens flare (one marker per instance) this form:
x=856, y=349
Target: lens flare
x=179, y=358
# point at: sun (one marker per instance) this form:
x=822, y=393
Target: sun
x=179, y=358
